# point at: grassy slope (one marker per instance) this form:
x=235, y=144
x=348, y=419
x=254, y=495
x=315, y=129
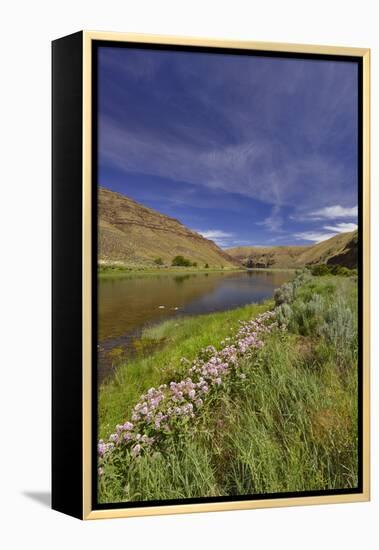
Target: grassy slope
x=338, y=246
x=131, y=234
x=179, y=338
x=290, y=426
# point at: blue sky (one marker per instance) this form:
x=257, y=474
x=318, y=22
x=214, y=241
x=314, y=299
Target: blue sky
x=245, y=150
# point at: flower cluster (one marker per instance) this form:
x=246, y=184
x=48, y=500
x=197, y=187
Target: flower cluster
x=161, y=410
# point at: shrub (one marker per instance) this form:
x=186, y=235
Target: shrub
x=308, y=315
x=333, y=269
x=341, y=270
x=158, y=261
x=301, y=278
x=315, y=313
x=339, y=327
x=284, y=294
x=320, y=270
x=284, y=314
x=206, y=266
x=181, y=261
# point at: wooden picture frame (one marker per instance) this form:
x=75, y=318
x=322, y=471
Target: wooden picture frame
x=75, y=80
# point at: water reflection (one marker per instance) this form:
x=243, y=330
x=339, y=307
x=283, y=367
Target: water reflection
x=128, y=303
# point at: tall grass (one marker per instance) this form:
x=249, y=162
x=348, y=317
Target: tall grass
x=175, y=338
x=290, y=425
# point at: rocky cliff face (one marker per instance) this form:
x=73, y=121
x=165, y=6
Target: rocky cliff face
x=132, y=234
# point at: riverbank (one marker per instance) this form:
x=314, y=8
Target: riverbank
x=117, y=271
x=271, y=269
x=175, y=338
x=285, y=421
x=109, y=272
x=129, y=304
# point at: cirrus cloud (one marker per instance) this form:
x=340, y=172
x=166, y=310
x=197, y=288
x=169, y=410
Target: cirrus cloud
x=221, y=238
x=333, y=212
x=231, y=133
x=314, y=236
x=321, y=235
x=341, y=227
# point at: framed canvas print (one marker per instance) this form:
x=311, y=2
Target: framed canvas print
x=210, y=275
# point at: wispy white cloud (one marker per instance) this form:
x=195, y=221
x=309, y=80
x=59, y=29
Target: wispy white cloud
x=246, y=168
x=341, y=227
x=274, y=221
x=314, y=236
x=274, y=131
x=334, y=212
x=326, y=232
x=221, y=238
x=214, y=234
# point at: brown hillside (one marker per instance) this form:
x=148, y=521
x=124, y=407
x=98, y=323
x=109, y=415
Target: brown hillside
x=133, y=235
x=340, y=249
x=276, y=256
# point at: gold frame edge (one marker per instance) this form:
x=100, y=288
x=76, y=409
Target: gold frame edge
x=364, y=496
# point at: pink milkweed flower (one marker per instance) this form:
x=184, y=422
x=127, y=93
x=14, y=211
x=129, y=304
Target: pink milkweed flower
x=209, y=369
x=136, y=450
x=101, y=448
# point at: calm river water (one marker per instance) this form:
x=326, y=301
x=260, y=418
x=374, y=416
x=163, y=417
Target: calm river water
x=129, y=303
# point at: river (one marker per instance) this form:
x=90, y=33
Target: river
x=127, y=304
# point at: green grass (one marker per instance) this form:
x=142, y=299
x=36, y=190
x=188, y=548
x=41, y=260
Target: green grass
x=291, y=425
x=121, y=271
x=176, y=338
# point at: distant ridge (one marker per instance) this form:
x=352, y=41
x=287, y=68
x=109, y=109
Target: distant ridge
x=341, y=249
x=131, y=234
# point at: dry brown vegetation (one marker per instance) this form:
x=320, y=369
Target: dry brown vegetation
x=340, y=249
x=131, y=234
